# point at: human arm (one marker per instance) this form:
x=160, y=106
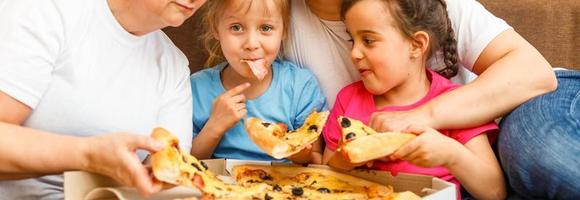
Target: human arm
x=227, y=110
x=473, y=164
x=511, y=71
x=27, y=152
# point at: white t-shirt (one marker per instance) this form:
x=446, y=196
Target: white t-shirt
x=323, y=46
x=84, y=75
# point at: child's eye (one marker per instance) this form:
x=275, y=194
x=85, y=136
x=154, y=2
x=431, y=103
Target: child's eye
x=266, y=28
x=368, y=41
x=236, y=27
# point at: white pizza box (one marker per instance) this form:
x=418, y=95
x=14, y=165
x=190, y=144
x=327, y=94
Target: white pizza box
x=88, y=186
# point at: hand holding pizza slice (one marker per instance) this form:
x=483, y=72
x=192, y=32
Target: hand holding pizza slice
x=278, y=142
x=171, y=165
x=361, y=143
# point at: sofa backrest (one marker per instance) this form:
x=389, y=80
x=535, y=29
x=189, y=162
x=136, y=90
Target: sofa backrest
x=552, y=26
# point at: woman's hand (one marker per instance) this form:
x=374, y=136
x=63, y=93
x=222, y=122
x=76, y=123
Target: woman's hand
x=429, y=149
x=114, y=155
x=399, y=120
x=228, y=108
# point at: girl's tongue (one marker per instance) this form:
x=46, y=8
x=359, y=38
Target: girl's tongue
x=258, y=68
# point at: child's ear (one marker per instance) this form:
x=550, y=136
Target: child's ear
x=214, y=33
x=419, y=44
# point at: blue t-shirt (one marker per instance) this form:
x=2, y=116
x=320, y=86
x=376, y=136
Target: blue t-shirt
x=293, y=94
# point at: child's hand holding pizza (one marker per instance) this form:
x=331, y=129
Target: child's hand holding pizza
x=429, y=149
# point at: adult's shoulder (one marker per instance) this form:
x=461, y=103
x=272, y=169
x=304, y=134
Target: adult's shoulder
x=170, y=53
x=474, y=26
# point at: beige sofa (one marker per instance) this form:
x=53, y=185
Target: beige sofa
x=552, y=26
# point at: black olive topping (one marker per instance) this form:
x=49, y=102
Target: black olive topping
x=345, y=122
x=266, y=177
x=196, y=166
x=204, y=165
x=313, y=128
x=297, y=191
x=267, y=197
x=350, y=135
x=323, y=190
x=277, y=188
x=266, y=124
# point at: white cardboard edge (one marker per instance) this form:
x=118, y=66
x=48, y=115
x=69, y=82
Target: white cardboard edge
x=444, y=190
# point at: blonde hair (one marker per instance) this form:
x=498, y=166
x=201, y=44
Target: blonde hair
x=215, y=9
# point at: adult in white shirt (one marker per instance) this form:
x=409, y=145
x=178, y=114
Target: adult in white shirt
x=499, y=68
x=73, y=71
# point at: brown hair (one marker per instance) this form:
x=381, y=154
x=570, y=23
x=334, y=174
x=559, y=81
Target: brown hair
x=423, y=15
x=215, y=9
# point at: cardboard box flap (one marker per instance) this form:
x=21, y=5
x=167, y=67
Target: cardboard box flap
x=77, y=184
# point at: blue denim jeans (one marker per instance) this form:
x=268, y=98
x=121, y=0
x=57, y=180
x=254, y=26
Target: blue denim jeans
x=539, y=143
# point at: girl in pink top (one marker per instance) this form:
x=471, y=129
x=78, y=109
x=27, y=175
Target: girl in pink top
x=392, y=41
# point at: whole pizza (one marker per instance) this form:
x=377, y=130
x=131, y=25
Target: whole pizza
x=171, y=165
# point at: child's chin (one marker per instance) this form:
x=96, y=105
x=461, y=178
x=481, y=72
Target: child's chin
x=374, y=91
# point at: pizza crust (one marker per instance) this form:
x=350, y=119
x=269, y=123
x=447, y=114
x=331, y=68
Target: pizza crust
x=263, y=137
x=371, y=147
x=167, y=161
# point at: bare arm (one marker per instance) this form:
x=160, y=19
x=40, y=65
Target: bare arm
x=473, y=164
x=476, y=167
x=207, y=140
x=26, y=152
x=511, y=72
x=226, y=110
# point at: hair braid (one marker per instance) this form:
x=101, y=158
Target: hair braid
x=449, y=47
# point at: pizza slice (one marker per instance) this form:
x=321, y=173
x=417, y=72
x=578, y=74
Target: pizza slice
x=313, y=183
x=361, y=143
x=278, y=142
x=171, y=165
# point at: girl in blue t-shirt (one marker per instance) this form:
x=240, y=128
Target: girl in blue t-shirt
x=247, y=35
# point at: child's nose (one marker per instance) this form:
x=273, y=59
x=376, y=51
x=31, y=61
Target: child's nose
x=252, y=42
x=356, y=54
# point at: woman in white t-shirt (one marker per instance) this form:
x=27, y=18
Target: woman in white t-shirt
x=71, y=72
x=509, y=71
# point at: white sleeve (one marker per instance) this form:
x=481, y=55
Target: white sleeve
x=177, y=109
x=30, y=41
x=475, y=27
